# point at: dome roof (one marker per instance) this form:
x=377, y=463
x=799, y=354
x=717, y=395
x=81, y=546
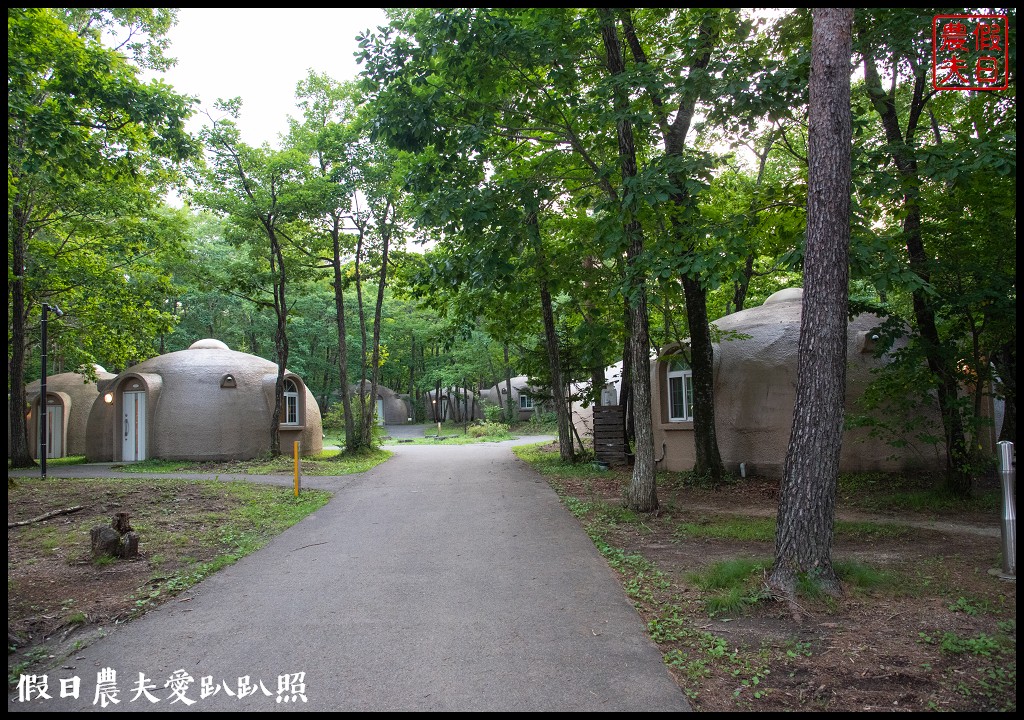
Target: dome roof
x=204, y=357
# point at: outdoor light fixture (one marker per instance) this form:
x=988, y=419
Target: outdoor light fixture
x=42, y=387
x=108, y=398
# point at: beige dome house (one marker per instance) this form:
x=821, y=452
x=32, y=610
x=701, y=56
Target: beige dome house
x=204, y=403
x=755, y=370
x=69, y=400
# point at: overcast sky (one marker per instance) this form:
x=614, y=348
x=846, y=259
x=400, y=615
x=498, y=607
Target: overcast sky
x=260, y=54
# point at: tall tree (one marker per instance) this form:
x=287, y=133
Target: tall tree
x=90, y=149
x=327, y=133
x=804, y=530
x=641, y=495
x=258, y=190
x=896, y=46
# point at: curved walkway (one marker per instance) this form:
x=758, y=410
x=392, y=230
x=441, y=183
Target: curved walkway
x=448, y=578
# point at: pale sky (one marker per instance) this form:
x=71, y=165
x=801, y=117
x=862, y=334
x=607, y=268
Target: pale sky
x=260, y=54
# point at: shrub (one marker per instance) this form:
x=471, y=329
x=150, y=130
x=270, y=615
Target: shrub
x=334, y=419
x=493, y=413
x=487, y=429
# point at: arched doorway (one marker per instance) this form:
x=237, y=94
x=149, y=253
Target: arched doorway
x=133, y=425
x=54, y=427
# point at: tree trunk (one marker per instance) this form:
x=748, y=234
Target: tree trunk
x=359, y=438
x=19, y=451
x=806, y=517
x=705, y=437
x=280, y=336
x=339, y=309
x=626, y=383
x=958, y=476
x=385, y=231
x=511, y=411
x=566, y=449
x=1005, y=360
x=641, y=495
x=412, y=377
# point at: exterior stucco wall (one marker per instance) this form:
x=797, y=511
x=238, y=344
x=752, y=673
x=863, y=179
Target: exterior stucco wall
x=396, y=409
x=99, y=443
x=206, y=403
x=78, y=394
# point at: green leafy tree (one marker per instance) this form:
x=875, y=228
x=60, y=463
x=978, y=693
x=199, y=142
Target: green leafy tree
x=259, y=191
x=935, y=152
x=90, y=150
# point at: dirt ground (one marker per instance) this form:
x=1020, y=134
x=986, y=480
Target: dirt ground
x=946, y=641
x=943, y=640
x=58, y=597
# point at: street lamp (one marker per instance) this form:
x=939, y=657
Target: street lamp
x=42, y=390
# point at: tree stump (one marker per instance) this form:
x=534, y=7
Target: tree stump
x=120, y=523
x=118, y=540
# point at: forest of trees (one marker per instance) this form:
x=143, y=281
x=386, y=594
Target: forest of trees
x=510, y=191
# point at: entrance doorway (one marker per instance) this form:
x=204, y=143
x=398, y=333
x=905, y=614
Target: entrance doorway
x=54, y=430
x=134, y=427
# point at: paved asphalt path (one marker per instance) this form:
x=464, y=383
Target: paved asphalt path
x=446, y=579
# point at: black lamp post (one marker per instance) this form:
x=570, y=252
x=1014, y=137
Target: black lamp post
x=42, y=391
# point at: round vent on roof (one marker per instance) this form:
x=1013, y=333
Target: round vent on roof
x=208, y=344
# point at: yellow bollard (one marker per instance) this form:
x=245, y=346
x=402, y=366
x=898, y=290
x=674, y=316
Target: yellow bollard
x=296, y=444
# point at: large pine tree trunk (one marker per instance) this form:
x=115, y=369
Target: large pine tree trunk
x=806, y=517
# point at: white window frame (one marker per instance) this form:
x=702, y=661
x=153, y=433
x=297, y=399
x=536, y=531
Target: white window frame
x=291, y=402
x=680, y=372
x=525, y=401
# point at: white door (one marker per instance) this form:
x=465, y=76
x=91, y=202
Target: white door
x=380, y=411
x=134, y=427
x=54, y=431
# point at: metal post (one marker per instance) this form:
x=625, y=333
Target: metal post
x=43, y=419
x=295, y=450
x=42, y=397
x=1008, y=475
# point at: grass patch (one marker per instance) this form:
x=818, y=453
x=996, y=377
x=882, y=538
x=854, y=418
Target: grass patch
x=729, y=573
x=731, y=528
x=58, y=462
x=747, y=529
x=328, y=462
x=864, y=577
x=550, y=463
x=906, y=493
